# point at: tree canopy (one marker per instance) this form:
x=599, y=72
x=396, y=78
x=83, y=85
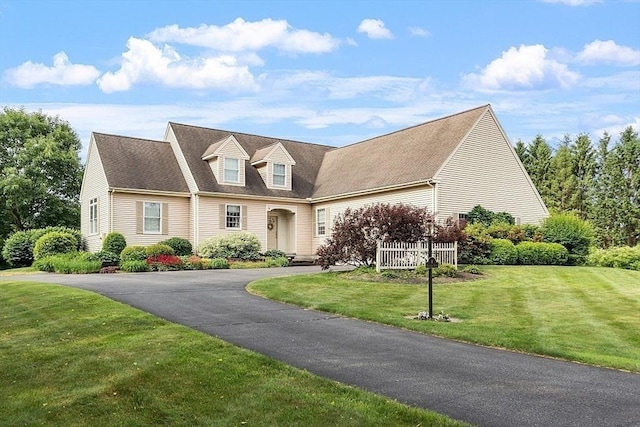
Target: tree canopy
x=40, y=171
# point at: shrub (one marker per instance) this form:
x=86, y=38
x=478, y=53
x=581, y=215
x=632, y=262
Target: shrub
x=571, y=232
x=108, y=258
x=134, y=266
x=503, y=252
x=541, y=253
x=475, y=249
x=164, y=262
x=133, y=253
x=53, y=243
x=277, y=262
x=180, y=246
x=622, y=257
x=241, y=245
x=114, y=242
x=445, y=270
x=480, y=215
x=274, y=253
x=421, y=270
x=69, y=263
x=80, y=242
x=18, y=249
x=193, y=262
x=159, y=249
x=218, y=263
x=531, y=233
x=472, y=269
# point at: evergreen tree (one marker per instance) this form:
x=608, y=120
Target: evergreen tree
x=627, y=185
x=523, y=153
x=562, y=182
x=540, y=167
x=603, y=214
x=584, y=166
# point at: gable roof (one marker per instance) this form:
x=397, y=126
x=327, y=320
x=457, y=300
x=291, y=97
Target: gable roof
x=139, y=164
x=193, y=141
x=407, y=156
x=264, y=154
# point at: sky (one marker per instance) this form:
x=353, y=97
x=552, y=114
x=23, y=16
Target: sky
x=327, y=72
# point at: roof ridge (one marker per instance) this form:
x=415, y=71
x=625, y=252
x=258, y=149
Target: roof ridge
x=253, y=134
x=130, y=137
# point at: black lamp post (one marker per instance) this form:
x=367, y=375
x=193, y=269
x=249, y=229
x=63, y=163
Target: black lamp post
x=431, y=263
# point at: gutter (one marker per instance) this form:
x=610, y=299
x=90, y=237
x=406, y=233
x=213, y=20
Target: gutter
x=149, y=192
x=430, y=182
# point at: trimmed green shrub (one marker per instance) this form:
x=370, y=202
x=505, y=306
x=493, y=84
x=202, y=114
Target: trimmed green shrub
x=622, y=257
x=181, y=246
x=133, y=253
x=541, y=253
x=531, y=233
x=134, y=266
x=18, y=249
x=159, y=249
x=503, y=252
x=108, y=258
x=218, y=263
x=480, y=215
x=114, y=242
x=240, y=245
x=69, y=263
x=54, y=243
x=472, y=269
x=80, y=242
x=274, y=253
x=445, y=270
x=571, y=232
x=282, y=261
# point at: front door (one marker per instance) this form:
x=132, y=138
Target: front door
x=272, y=232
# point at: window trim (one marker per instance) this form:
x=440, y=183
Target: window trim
x=321, y=223
x=93, y=216
x=236, y=170
x=227, y=217
x=144, y=217
x=283, y=175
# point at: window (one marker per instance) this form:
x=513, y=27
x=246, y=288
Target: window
x=231, y=170
x=152, y=218
x=279, y=174
x=321, y=221
x=93, y=216
x=233, y=219
x=462, y=217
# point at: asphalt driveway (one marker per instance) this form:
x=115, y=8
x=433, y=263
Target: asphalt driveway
x=480, y=385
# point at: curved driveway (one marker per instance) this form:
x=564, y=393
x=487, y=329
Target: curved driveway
x=480, y=385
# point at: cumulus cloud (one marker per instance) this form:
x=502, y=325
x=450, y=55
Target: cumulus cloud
x=608, y=51
x=62, y=73
x=526, y=67
x=419, y=32
x=240, y=35
x=374, y=29
x=144, y=62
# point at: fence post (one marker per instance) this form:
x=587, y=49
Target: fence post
x=378, y=257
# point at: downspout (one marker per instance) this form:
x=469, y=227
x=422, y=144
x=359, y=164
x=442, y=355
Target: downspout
x=196, y=221
x=110, y=228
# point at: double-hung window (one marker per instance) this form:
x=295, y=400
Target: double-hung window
x=231, y=170
x=93, y=216
x=321, y=222
x=152, y=217
x=279, y=175
x=233, y=218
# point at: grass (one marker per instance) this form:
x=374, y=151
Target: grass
x=70, y=357
x=585, y=314
x=17, y=271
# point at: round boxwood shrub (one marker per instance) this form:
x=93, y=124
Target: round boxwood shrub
x=133, y=253
x=181, y=246
x=114, y=242
x=622, y=257
x=39, y=232
x=241, y=245
x=274, y=253
x=159, y=249
x=503, y=252
x=540, y=253
x=54, y=243
x=18, y=249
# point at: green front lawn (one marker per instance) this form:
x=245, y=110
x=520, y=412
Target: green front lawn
x=585, y=314
x=73, y=358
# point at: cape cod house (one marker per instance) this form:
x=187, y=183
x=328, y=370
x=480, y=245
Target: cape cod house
x=199, y=182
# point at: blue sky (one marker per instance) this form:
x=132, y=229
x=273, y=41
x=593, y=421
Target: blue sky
x=330, y=72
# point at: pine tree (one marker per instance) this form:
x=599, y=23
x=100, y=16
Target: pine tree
x=603, y=214
x=540, y=167
x=562, y=181
x=584, y=166
x=628, y=185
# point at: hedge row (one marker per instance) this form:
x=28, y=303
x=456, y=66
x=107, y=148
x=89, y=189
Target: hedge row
x=504, y=252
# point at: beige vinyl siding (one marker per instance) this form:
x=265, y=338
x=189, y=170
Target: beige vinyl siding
x=264, y=174
x=231, y=150
x=485, y=170
x=126, y=221
x=418, y=196
x=182, y=162
x=94, y=185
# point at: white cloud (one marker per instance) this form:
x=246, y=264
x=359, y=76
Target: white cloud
x=526, y=67
x=240, y=36
x=146, y=63
x=374, y=29
x=573, y=2
x=608, y=51
x=62, y=73
x=419, y=32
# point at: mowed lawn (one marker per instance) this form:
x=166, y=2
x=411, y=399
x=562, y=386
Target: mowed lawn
x=73, y=358
x=585, y=314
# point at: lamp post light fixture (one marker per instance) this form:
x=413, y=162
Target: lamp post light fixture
x=431, y=263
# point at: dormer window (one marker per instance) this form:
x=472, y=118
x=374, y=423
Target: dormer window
x=279, y=175
x=231, y=170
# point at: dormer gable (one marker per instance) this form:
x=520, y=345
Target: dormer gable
x=227, y=161
x=274, y=164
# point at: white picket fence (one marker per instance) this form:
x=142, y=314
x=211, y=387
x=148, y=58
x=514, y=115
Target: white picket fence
x=399, y=256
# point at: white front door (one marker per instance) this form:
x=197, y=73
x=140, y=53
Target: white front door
x=272, y=232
